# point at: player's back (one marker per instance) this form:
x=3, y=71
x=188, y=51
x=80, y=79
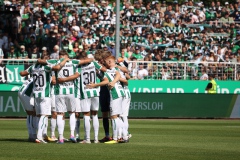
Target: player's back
x=41, y=80
x=117, y=91
x=67, y=70
x=88, y=75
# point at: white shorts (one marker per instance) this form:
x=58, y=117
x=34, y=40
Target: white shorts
x=25, y=100
x=43, y=106
x=116, y=106
x=65, y=103
x=53, y=104
x=125, y=107
x=90, y=104
x=78, y=105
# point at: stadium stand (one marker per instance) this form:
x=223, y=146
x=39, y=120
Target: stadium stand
x=177, y=40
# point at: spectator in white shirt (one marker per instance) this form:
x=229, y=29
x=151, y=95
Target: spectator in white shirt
x=55, y=54
x=142, y=72
x=201, y=15
x=204, y=75
x=194, y=18
x=166, y=73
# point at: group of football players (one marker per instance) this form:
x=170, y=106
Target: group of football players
x=55, y=87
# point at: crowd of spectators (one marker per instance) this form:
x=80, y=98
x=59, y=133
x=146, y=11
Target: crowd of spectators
x=151, y=33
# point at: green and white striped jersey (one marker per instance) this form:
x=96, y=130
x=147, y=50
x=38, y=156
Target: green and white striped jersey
x=52, y=86
x=52, y=62
x=27, y=87
x=88, y=75
x=77, y=84
x=41, y=80
x=125, y=87
x=117, y=91
x=67, y=70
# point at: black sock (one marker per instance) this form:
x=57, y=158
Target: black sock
x=106, y=126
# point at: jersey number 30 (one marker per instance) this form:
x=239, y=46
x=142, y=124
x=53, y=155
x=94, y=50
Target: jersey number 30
x=89, y=77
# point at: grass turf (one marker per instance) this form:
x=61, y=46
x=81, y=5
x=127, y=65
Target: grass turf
x=167, y=139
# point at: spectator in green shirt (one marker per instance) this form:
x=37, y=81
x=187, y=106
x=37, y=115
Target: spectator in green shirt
x=137, y=7
x=46, y=8
x=150, y=76
x=26, y=12
x=22, y=54
x=12, y=54
x=71, y=53
x=171, y=57
x=137, y=54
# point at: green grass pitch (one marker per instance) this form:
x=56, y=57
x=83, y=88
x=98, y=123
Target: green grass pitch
x=160, y=139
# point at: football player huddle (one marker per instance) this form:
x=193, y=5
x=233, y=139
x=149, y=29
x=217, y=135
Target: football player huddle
x=77, y=86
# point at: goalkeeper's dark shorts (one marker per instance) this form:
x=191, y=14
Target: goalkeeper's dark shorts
x=104, y=99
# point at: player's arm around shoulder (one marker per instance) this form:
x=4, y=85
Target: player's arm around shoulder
x=123, y=80
x=70, y=78
x=117, y=76
x=85, y=61
x=99, y=66
x=26, y=72
x=122, y=68
x=41, y=61
x=127, y=76
x=60, y=65
x=47, y=68
x=94, y=85
x=115, y=80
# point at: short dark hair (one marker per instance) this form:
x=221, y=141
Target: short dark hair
x=82, y=55
x=62, y=53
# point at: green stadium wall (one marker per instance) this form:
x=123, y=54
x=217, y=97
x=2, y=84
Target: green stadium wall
x=155, y=105
x=181, y=86
x=156, y=86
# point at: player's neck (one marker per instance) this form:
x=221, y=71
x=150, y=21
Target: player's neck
x=112, y=66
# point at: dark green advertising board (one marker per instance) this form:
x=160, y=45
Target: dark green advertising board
x=184, y=105
x=10, y=105
x=145, y=105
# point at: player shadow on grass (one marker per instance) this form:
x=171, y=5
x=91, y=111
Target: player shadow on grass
x=13, y=140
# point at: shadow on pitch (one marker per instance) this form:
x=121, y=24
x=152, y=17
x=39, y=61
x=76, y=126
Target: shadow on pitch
x=13, y=140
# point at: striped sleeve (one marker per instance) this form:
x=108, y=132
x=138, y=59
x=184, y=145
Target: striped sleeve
x=75, y=62
x=51, y=61
x=48, y=68
x=78, y=70
x=29, y=69
x=97, y=65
